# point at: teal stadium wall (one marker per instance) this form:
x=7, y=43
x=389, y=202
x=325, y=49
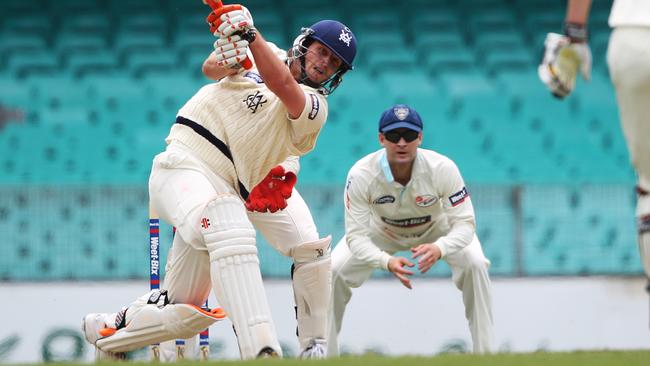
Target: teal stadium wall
x=99, y=84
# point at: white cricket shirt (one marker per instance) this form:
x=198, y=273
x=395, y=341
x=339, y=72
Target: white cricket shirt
x=243, y=113
x=433, y=207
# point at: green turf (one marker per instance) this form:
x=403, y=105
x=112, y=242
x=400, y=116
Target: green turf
x=602, y=358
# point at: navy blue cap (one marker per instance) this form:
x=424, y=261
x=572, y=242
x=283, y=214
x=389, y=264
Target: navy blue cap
x=400, y=116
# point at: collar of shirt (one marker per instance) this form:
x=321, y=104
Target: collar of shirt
x=388, y=174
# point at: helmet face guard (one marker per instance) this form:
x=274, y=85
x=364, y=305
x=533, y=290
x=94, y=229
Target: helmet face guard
x=337, y=38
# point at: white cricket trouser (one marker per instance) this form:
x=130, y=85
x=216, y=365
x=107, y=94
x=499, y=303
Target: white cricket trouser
x=180, y=187
x=469, y=272
x=628, y=58
x=180, y=194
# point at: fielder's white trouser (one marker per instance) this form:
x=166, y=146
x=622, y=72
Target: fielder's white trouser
x=214, y=246
x=285, y=230
x=469, y=272
x=628, y=58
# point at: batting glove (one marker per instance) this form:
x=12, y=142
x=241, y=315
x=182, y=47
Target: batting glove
x=272, y=193
x=563, y=58
x=230, y=19
x=231, y=51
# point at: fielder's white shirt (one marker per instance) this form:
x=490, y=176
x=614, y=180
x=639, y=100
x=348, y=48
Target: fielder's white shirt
x=433, y=207
x=243, y=113
x=630, y=13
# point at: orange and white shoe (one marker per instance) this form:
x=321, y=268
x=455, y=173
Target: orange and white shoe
x=94, y=326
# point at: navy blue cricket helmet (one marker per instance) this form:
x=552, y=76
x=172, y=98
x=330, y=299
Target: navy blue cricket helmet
x=338, y=38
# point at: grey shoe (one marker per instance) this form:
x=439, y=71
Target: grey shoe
x=317, y=349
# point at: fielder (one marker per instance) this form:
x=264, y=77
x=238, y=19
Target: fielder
x=225, y=141
x=628, y=59
x=402, y=197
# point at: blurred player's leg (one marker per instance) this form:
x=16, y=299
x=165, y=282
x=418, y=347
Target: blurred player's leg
x=347, y=273
x=236, y=277
x=470, y=274
x=629, y=65
x=293, y=233
x=187, y=280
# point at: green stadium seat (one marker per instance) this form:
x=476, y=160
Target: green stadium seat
x=127, y=42
x=94, y=21
x=498, y=60
x=19, y=43
x=144, y=23
x=425, y=42
x=21, y=64
x=436, y=20
x=150, y=60
x=460, y=61
x=37, y=23
x=69, y=42
x=87, y=64
x=390, y=60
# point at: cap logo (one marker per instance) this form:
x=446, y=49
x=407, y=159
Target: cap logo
x=401, y=113
x=345, y=37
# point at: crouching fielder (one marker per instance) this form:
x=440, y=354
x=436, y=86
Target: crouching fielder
x=402, y=197
x=225, y=141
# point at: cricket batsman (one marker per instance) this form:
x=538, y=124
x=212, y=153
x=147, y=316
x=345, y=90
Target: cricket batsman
x=227, y=139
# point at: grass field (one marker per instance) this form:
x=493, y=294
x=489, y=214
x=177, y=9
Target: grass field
x=601, y=358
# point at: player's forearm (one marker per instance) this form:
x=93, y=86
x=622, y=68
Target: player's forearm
x=578, y=11
x=213, y=71
x=275, y=73
x=291, y=164
x=365, y=250
x=460, y=236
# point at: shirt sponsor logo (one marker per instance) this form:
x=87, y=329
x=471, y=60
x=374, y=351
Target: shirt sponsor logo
x=409, y=222
x=315, y=106
x=254, y=101
x=425, y=200
x=458, y=197
x=384, y=199
x=255, y=77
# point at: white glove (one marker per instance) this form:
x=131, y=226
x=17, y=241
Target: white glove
x=231, y=51
x=233, y=22
x=562, y=59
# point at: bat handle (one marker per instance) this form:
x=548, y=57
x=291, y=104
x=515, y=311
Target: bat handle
x=214, y=4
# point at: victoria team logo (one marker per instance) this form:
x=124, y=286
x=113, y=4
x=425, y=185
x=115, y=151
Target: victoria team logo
x=254, y=101
x=345, y=36
x=425, y=200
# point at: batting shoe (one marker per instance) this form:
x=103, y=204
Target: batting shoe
x=94, y=327
x=317, y=349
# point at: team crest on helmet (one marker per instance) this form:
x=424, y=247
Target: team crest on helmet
x=401, y=112
x=345, y=36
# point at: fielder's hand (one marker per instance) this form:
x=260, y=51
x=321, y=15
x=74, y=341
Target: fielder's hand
x=396, y=267
x=429, y=255
x=272, y=193
x=231, y=51
x=561, y=62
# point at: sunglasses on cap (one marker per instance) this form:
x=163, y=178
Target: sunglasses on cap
x=395, y=135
